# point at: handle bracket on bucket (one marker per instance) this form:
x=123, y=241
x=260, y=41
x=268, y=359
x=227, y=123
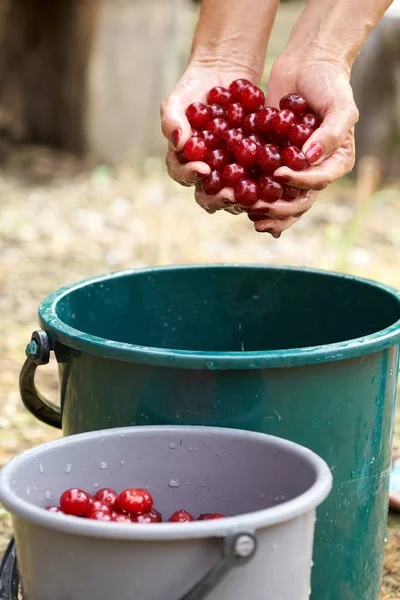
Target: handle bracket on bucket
x=37, y=353
x=238, y=549
x=9, y=574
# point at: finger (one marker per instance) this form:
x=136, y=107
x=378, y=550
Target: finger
x=320, y=176
x=174, y=124
x=188, y=174
x=340, y=118
x=223, y=199
x=282, y=209
x=275, y=226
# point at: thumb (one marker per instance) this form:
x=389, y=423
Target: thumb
x=332, y=133
x=174, y=124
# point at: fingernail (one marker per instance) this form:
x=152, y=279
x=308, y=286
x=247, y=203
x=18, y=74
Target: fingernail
x=276, y=235
x=175, y=137
x=262, y=230
x=314, y=153
x=282, y=179
x=198, y=174
x=228, y=202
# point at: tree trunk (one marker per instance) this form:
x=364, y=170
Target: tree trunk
x=88, y=75
x=376, y=85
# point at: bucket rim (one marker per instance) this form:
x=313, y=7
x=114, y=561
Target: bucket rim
x=68, y=336
x=248, y=522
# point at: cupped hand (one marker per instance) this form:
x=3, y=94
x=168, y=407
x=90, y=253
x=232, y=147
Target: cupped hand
x=330, y=150
x=193, y=87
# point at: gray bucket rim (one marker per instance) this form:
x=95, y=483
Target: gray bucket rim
x=250, y=522
x=174, y=358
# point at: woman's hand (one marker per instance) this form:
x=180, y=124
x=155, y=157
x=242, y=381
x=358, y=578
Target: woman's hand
x=330, y=150
x=193, y=87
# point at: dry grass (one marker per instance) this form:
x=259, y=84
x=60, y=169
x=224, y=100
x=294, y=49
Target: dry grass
x=59, y=224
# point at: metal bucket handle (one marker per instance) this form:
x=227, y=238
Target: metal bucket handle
x=37, y=353
x=238, y=549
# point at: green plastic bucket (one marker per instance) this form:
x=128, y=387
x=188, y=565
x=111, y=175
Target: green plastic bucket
x=306, y=355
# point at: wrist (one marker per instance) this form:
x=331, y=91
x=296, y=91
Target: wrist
x=314, y=54
x=227, y=62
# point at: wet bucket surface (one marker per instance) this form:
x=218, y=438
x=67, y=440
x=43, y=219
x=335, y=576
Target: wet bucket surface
x=306, y=355
x=271, y=486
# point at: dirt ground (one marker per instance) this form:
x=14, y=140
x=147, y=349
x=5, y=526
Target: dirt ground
x=59, y=223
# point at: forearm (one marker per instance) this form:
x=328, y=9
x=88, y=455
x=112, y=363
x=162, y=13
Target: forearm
x=335, y=29
x=234, y=34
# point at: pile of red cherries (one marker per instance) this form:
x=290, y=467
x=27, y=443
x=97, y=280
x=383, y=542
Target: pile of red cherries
x=132, y=505
x=245, y=142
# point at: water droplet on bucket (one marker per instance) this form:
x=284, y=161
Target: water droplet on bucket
x=103, y=465
x=47, y=495
x=189, y=448
x=277, y=499
x=96, y=485
x=173, y=483
x=283, y=497
x=41, y=468
x=262, y=496
x=172, y=446
x=353, y=474
x=122, y=462
x=68, y=468
x=28, y=490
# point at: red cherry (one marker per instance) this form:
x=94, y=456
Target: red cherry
x=108, y=497
x=210, y=516
x=153, y=516
x=54, y=509
x=198, y=115
x=219, y=95
x=252, y=98
x=246, y=192
x=96, y=506
x=74, y=502
x=135, y=501
x=256, y=216
x=212, y=141
x=235, y=114
x=100, y=515
x=195, y=149
x=269, y=189
x=299, y=134
x=282, y=122
x=182, y=160
x=121, y=519
x=237, y=87
x=290, y=193
x=246, y=152
x=156, y=514
x=249, y=124
x=297, y=104
x=269, y=158
x=263, y=121
x=181, y=516
x=280, y=140
x=294, y=159
x=257, y=138
x=310, y=120
x=217, y=111
x=233, y=173
x=231, y=137
x=218, y=126
x=218, y=159
x=213, y=183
